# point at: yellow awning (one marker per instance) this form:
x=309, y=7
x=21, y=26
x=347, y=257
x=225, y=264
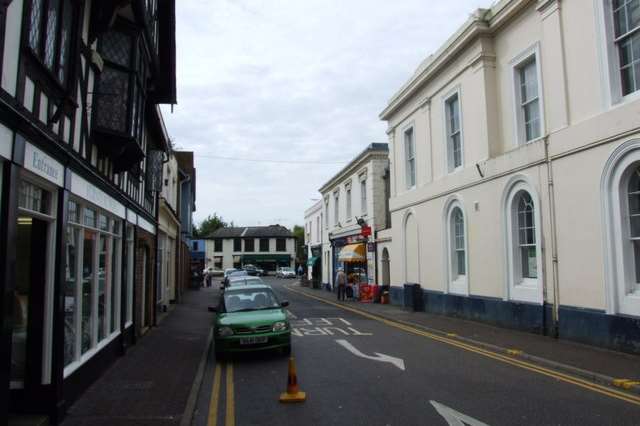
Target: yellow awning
x=353, y=253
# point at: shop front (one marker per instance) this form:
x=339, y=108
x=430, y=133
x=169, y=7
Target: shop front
x=353, y=254
x=268, y=262
x=314, y=266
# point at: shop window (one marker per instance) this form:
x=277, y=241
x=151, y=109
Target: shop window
x=249, y=244
x=49, y=35
x=281, y=244
x=130, y=274
x=264, y=244
x=92, y=282
x=217, y=262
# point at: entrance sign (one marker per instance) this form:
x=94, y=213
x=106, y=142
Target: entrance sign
x=398, y=362
x=43, y=165
x=93, y=194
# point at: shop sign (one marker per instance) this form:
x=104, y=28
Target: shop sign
x=43, y=165
x=132, y=217
x=6, y=142
x=366, y=231
x=146, y=225
x=93, y=194
x=371, y=247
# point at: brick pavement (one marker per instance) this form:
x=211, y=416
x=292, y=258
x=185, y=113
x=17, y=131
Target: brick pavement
x=150, y=385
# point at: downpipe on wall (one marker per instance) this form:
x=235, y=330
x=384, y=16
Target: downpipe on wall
x=554, y=239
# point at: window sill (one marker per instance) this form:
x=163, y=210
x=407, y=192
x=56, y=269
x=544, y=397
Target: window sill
x=459, y=286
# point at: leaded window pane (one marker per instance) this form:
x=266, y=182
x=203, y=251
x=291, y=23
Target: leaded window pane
x=35, y=22
x=116, y=47
x=65, y=40
x=51, y=34
x=112, y=99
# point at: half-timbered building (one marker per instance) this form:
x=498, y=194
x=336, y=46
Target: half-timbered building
x=82, y=142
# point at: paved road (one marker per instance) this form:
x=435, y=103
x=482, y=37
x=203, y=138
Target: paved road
x=342, y=366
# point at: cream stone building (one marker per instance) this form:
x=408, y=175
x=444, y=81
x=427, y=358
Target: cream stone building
x=515, y=170
x=314, y=236
x=355, y=192
x=168, y=234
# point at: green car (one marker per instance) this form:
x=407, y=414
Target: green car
x=251, y=318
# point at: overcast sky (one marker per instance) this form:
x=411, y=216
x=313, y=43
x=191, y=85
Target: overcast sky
x=295, y=81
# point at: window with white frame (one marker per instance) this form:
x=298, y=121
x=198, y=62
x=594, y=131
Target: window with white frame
x=130, y=274
x=458, y=260
x=454, y=132
x=410, y=157
x=626, y=27
x=527, y=92
x=456, y=248
x=326, y=216
x=348, y=197
x=633, y=228
x=523, y=244
x=336, y=208
x=363, y=195
x=527, y=247
x=92, y=287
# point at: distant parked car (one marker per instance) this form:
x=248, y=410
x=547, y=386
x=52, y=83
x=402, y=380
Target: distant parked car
x=286, y=272
x=213, y=272
x=233, y=273
x=253, y=270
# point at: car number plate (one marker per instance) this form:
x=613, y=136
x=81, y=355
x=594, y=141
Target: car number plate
x=253, y=340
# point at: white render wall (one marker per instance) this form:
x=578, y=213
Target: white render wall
x=227, y=252
x=372, y=166
x=582, y=127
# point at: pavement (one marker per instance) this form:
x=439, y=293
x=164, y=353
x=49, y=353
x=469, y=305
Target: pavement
x=597, y=364
x=152, y=383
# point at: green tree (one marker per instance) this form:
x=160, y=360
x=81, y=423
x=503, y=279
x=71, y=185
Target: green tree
x=298, y=232
x=209, y=225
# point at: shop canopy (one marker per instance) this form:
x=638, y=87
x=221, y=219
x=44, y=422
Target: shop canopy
x=312, y=260
x=353, y=253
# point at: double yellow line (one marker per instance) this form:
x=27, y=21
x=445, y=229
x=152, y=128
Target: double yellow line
x=604, y=390
x=214, y=402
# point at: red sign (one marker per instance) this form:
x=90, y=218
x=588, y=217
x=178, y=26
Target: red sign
x=366, y=231
x=366, y=293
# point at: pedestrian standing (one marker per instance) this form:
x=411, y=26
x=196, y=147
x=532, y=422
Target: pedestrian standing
x=341, y=281
x=300, y=271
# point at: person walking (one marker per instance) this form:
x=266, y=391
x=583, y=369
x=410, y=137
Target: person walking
x=300, y=271
x=341, y=281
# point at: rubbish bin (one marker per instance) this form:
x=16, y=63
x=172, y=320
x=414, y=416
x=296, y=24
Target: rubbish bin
x=413, y=297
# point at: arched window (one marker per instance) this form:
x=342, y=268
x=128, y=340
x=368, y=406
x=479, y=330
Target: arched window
x=457, y=232
x=620, y=189
x=633, y=234
x=524, y=264
x=456, y=249
x=527, y=248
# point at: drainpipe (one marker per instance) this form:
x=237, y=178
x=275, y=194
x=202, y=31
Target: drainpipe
x=554, y=239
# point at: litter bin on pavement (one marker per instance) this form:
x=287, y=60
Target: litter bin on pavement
x=413, y=297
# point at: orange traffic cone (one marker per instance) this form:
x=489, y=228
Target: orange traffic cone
x=293, y=393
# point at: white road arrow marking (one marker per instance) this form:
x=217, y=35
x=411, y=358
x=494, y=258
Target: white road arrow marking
x=398, y=362
x=455, y=418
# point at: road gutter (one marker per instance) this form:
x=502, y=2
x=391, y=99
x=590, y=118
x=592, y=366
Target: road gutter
x=509, y=355
x=187, y=416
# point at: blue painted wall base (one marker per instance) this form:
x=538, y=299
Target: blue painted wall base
x=592, y=327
